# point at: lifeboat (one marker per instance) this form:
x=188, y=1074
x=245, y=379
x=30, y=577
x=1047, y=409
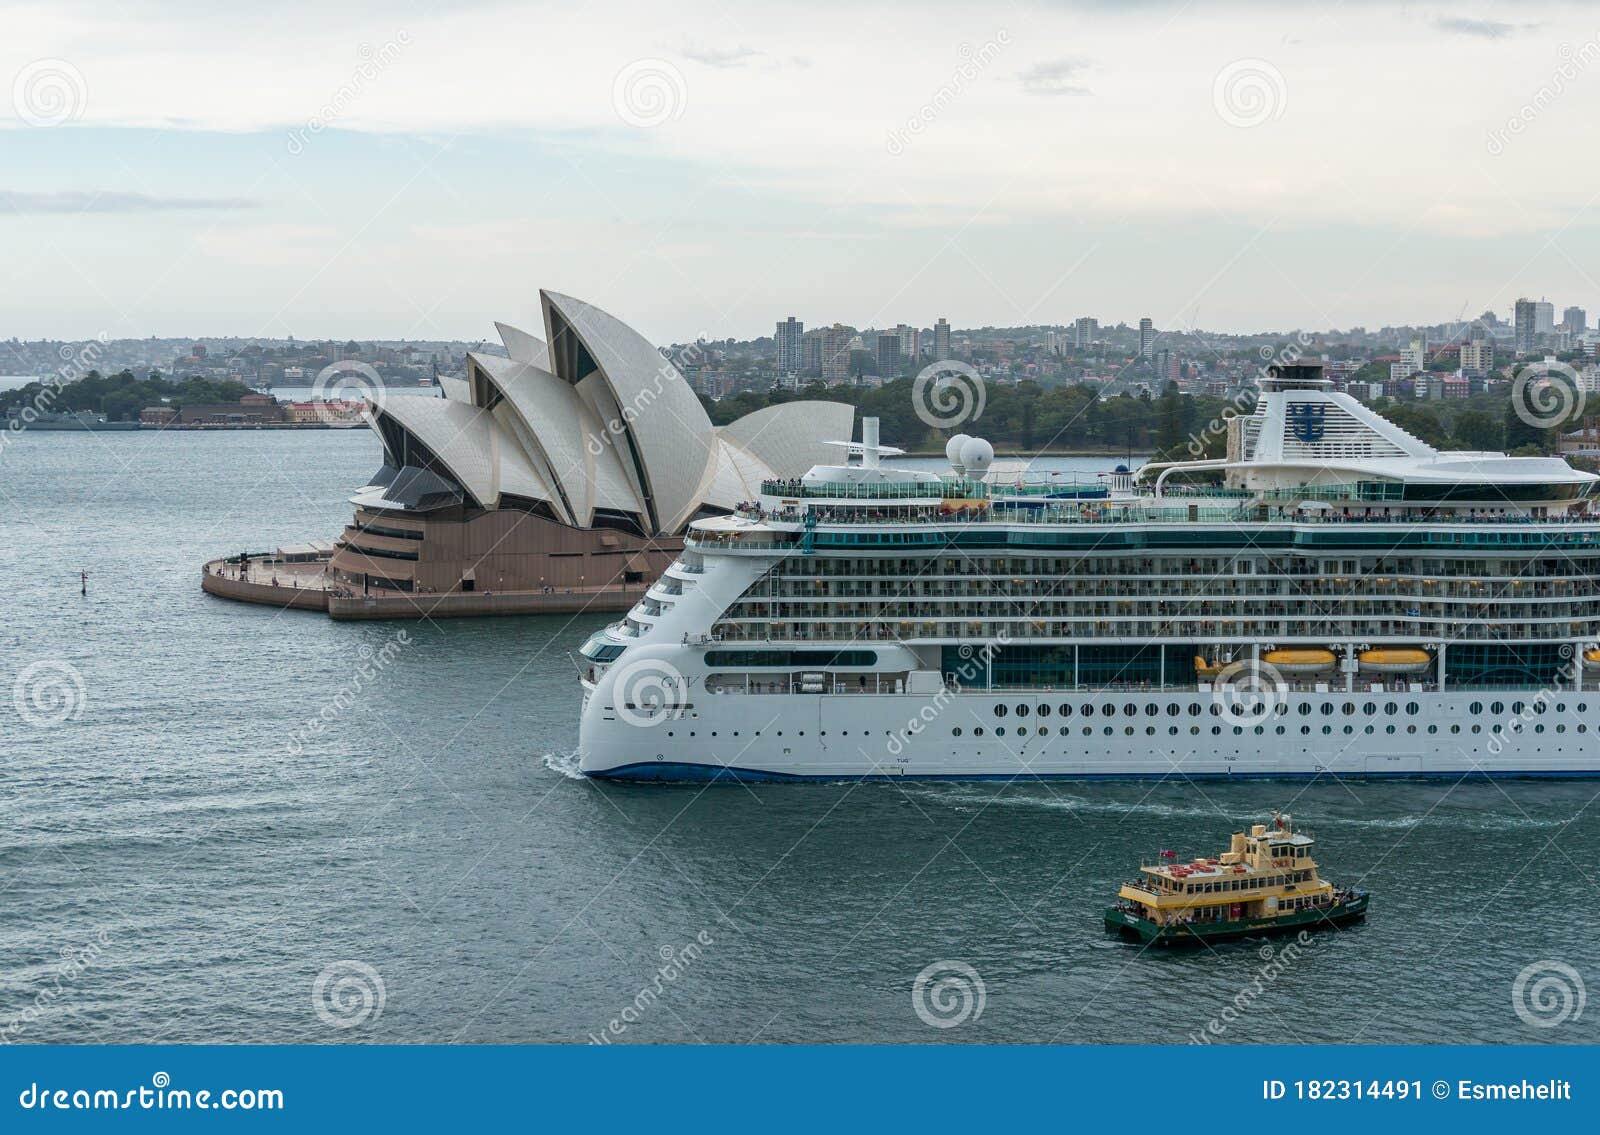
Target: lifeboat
x=1300, y=661
x=1591, y=660
x=1204, y=669
x=1396, y=661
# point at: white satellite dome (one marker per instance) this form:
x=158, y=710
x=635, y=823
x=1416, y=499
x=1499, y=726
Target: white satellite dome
x=976, y=454
x=952, y=448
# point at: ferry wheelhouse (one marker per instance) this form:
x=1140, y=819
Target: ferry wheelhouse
x=1333, y=597
x=1265, y=883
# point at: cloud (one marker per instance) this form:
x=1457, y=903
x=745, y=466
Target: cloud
x=1056, y=77
x=84, y=201
x=1483, y=29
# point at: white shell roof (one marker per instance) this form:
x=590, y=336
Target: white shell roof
x=466, y=440
x=572, y=444
x=792, y=435
x=653, y=403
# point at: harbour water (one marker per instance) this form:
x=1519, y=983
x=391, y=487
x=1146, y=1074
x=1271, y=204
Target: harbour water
x=258, y=826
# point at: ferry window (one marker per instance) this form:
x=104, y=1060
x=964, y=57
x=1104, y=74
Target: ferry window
x=1194, y=709
x=999, y=731
x=1088, y=710
x=1517, y=707
x=1327, y=708
x=1497, y=708
x=1305, y=709
x=1152, y=709
x=1412, y=708
x=1390, y=709
x=1172, y=710
x=1388, y=728
x=1348, y=708
x=1280, y=730
x=1044, y=711
x=1108, y=710
x=977, y=731
x=1128, y=731
x=1455, y=729
x=956, y=732
x=1172, y=729
x=1064, y=730
x=1327, y=729
x=1349, y=728
x=1305, y=730
x=1475, y=707
x=1087, y=732
x=1108, y=730
x=1130, y=709
x=1022, y=711
x=1477, y=729
x=1369, y=708
x=1000, y=711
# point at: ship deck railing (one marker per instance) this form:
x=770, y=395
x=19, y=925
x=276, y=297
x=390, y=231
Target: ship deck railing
x=1250, y=513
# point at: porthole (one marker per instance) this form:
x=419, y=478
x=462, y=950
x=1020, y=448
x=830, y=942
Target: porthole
x=1108, y=710
x=1128, y=730
x=1043, y=731
x=1194, y=709
x=1326, y=729
x=1022, y=711
x=1456, y=728
x=1388, y=728
x=1305, y=709
x=1348, y=708
x=977, y=731
x=999, y=731
x=1412, y=708
x=1130, y=710
x=956, y=732
x=1108, y=730
x=1497, y=708
x=1327, y=708
x=1152, y=709
x=1001, y=711
x=1173, y=710
x=1369, y=708
x=1087, y=710
x=1517, y=708
x=1065, y=730
x=1477, y=729
x=1044, y=709
x=1390, y=709
x=1475, y=708
x=1349, y=728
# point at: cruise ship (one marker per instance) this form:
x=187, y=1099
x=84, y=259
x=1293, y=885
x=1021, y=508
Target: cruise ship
x=1334, y=597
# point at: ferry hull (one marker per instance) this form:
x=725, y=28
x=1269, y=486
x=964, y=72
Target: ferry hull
x=1138, y=929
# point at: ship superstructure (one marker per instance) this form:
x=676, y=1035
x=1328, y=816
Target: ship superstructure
x=1334, y=596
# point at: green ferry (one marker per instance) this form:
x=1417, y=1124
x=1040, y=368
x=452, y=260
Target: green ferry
x=1266, y=883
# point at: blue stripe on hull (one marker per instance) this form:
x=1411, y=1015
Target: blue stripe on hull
x=660, y=772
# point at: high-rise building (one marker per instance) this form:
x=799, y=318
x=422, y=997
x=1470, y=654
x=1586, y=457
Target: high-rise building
x=941, y=340
x=1574, y=320
x=1052, y=342
x=1544, y=317
x=1084, y=329
x=789, y=332
x=1414, y=358
x=1477, y=358
x=836, y=353
x=888, y=354
x=910, y=341
x=1147, y=337
x=1167, y=367
x=1523, y=320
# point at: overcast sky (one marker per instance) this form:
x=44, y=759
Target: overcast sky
x=394, y=170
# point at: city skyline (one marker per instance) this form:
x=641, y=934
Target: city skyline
x=397, y=175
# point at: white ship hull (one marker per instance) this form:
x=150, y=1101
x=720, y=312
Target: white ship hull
x=846, y=737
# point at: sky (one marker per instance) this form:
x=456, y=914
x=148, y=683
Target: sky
x=705, y=169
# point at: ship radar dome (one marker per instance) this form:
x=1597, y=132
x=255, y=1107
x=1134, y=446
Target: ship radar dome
x=976, y=454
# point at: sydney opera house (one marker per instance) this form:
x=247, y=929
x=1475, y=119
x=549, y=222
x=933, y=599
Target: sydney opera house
x=559, y=478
